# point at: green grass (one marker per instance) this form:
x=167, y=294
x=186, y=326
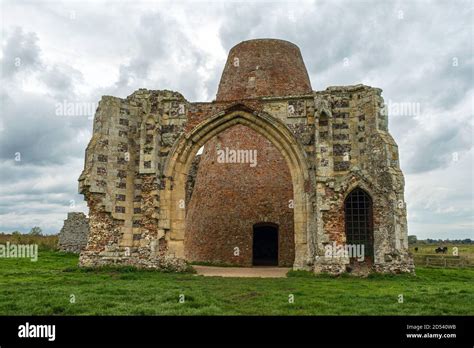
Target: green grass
x=45, y=287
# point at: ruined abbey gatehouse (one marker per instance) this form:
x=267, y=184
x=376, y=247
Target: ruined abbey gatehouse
x=270, y=173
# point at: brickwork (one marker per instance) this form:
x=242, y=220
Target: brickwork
x=262, y=68
x=229, y=198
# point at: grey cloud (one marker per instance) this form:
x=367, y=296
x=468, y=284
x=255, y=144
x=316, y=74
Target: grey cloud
x=31, y=125
x=243, y=23
x=436, y=150
x=20, y=53
x=32, y=128
x=61, y=80
x=38, y=195
x=159, y=41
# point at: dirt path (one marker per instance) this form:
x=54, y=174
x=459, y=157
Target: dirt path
x=246, y=272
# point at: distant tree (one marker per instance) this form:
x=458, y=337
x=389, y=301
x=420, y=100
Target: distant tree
x=16, y=233
x=412, y=239
x=36, y=231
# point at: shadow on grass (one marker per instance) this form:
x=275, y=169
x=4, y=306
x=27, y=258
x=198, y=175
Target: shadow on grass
x=370, y=276
x=124, y=269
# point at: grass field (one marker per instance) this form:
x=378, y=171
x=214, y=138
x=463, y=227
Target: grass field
x=48, y=242
x=464, y=251
x=46, y=287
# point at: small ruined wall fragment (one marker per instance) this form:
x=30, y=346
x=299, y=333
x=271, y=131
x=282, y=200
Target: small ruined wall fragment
x=74, y=234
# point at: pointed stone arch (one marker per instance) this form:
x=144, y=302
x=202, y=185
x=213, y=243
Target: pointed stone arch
x=177, y=165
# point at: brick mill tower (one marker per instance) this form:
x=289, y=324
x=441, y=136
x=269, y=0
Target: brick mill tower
x=287, y=176
x=234, y=204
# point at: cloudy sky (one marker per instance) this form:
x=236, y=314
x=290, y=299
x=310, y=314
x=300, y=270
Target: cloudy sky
x=54, y=53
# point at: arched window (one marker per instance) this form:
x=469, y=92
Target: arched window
x=358, y=218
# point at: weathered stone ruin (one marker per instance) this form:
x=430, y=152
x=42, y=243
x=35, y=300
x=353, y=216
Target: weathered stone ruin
x=74, y=233
x=325, y=175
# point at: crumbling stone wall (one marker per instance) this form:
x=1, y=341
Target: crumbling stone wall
x=356, y=150
x=74, y=233
x=121, y=178
x=340, y=135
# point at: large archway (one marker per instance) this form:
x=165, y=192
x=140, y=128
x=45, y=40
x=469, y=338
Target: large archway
x=172, y=198
x=238, y=179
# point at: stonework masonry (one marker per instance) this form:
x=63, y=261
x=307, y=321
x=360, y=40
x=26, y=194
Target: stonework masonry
x=154, y=204
x=74, y=233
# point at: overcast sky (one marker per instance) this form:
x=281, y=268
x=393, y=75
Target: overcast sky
x=419, y=52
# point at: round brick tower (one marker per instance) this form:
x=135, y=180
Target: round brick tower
x=230, y=201
x=262, y=68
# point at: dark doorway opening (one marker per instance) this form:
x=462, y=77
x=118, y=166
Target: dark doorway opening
x=265, y=245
